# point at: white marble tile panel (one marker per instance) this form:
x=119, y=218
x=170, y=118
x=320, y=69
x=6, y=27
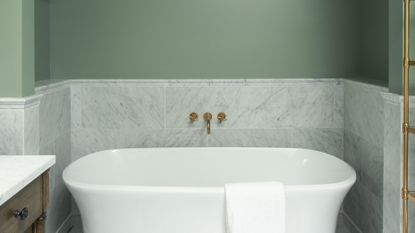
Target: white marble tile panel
x=250, y=138
x=60, y=204
x=325, y=140
x=162, y=138
x=55, y=115
x=76, y=106
x=363, y=114
x=294, y=105
x=314, y=106
x=59, y=207
x=86, y=141
x=11, y=131
x=122, y=106
x=338, y=115
x=31, y=130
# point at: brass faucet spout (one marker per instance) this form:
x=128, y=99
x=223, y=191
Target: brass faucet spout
x=208, y=126
x=207, y=116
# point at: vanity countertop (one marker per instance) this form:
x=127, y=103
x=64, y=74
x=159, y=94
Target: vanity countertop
x=18, y=171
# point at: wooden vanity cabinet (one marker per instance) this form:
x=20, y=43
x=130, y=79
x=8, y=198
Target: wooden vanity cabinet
x=25, y=212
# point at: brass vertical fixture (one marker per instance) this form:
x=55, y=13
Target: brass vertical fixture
x=207, y=116
x=221, y=117
x=193, y=117
x=406, y=129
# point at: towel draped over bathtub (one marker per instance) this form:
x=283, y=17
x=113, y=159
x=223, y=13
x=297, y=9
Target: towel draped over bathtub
x=255, y=207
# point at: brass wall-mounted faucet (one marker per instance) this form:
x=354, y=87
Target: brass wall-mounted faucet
x=207, y=116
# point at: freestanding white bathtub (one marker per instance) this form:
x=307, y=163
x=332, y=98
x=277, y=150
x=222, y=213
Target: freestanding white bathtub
x=181, y=190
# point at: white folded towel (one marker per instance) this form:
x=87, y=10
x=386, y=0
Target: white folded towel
x=255, y=207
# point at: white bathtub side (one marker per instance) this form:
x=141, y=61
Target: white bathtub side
x=190, y=209
x=129, y=210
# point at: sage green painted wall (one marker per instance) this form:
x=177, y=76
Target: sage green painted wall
x=199, y=38
x=42, y=66
x=28, y=47
x=395, y=45
x=16, y=48
x=374, y=39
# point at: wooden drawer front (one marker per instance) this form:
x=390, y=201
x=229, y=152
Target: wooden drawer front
x=31, y=198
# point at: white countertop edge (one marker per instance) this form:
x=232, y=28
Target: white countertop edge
x=22, y=182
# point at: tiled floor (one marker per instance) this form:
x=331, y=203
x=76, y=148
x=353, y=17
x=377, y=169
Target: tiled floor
x=342, y=226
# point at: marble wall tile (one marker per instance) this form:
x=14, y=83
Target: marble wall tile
x=367, y=194
x=121, y=106
x=364, y=208
x=364, y=151
x=55, y=116
x=411, y=205
x=76, y=106
x=338, y=118
x=314, y=106
x=363, y=115
x=255, y=107
x=86, y=141
x=325, y=140
x=162, y=138
x=290, y=105
x=11, y=131
x=31, y=131
x=250, y=138
x=55, y=139
x=60, y=199
x=392, y=167
x=60, y=207
x=344, y=225
x=368, y=161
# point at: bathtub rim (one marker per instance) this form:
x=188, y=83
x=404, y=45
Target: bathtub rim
x=346, y=183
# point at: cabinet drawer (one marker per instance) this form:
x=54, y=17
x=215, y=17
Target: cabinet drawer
x=30, y=198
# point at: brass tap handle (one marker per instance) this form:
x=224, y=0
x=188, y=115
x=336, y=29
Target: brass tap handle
x=207, y=116
x=221, y=117
x=193, y=117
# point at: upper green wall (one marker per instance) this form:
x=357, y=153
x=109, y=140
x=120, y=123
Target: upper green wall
x=188, y=38
x=374, y=39
x=16, y=48
x=42, y=40
x=396, y=47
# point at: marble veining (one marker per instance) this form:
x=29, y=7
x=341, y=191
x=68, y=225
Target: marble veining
x=18, y=171
x=301, y=105
x=31, y=130
x=321, y=139
x=11, y=131
x=364, y=110
x=364, y=150
x=115, y=107
x=54, y=114
x=250, y=138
